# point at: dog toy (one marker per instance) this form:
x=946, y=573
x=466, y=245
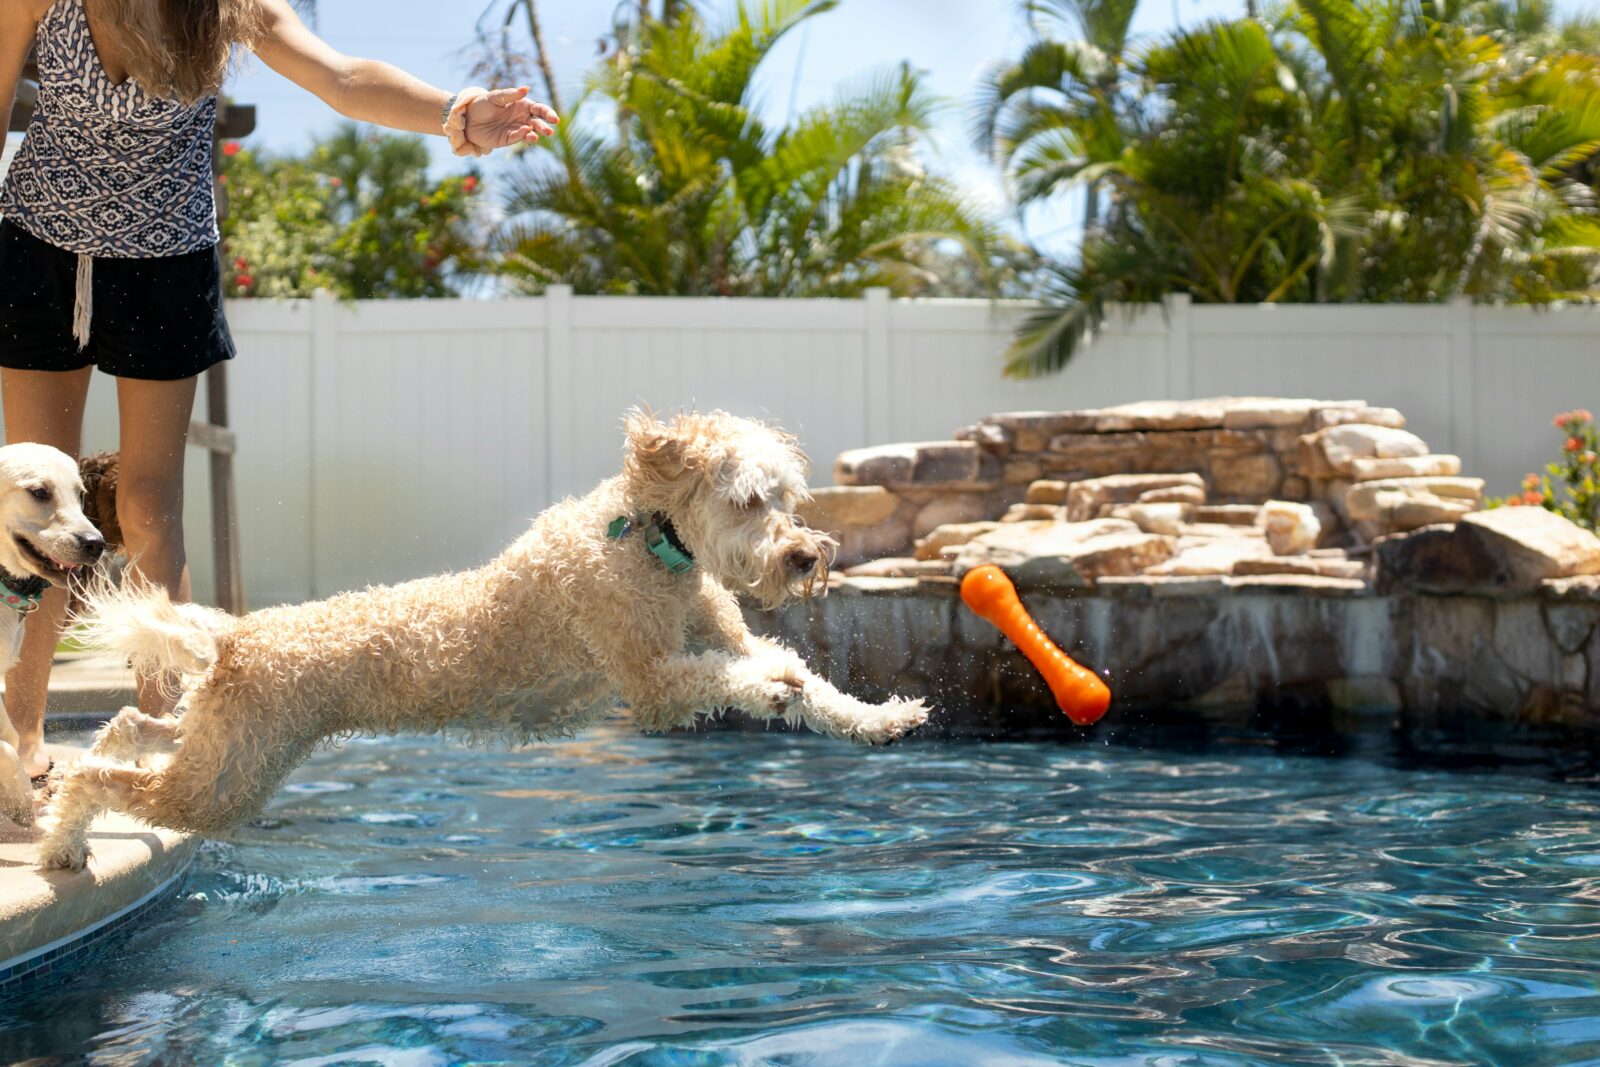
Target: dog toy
x=1078, y=691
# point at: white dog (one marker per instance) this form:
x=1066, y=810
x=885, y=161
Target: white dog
x=627, y=594
x=44, y=540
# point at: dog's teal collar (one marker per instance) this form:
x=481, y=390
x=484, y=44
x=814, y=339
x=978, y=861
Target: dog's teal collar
x=659, y=537
x=21, y=595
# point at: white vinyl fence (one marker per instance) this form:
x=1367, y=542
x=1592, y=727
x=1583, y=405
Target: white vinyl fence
x=386, y=440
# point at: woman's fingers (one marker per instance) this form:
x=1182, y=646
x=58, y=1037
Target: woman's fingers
x=507, y=97
x=519, y=120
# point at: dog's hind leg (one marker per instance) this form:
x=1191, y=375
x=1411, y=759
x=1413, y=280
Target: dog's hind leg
x=88, y=789
x=132, y=734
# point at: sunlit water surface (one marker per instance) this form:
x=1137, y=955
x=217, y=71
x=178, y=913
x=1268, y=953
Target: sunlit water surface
x=777, y=899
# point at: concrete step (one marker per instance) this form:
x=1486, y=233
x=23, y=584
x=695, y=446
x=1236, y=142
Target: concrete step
x=50, y=919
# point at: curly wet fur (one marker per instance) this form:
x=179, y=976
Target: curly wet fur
x=566, y=624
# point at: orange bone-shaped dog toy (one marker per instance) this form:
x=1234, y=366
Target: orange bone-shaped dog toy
x=1078, y=691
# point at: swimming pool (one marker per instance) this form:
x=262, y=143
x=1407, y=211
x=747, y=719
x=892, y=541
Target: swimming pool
x=783, y=899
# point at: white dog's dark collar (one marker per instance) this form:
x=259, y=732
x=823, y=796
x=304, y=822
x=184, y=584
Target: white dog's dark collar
x=659, y=537
x=21, y=594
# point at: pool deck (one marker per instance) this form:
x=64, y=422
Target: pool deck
x=86, y=683
x=48, y=919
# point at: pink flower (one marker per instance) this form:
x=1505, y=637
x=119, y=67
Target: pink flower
x=1589, y=458
x=335, y=182
x=1573, y=444
x=1532, y=497
x=1532, y=481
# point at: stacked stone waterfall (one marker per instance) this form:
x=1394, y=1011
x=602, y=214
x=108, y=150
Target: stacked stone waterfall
x=1228, y=487
x=1264, y=515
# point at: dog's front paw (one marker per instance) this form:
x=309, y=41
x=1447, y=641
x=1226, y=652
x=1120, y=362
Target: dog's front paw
x=769, y=689
x=782, y=692
x=894, y=720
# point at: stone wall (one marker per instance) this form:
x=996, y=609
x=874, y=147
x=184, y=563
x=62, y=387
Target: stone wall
x=1355, y=465
x=1273, y=643
x=1253, y=552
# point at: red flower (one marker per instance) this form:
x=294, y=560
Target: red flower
x=1576, y=415
x=244, y=281
x=1573, y=444
x=1532, y=481
x=241, y=264
x=231, y=148
x=469, y=185
x=222, y=179
x=335, y=182
x=1532, y=497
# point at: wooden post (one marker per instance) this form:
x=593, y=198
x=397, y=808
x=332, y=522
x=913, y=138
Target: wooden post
x=213, y=435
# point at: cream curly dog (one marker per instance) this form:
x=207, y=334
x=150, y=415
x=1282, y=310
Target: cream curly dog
x=625, y=595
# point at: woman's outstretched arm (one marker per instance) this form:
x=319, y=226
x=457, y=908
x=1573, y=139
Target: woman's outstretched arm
x=377, y=92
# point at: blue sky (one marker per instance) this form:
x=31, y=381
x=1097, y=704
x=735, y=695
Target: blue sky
x=952, y=40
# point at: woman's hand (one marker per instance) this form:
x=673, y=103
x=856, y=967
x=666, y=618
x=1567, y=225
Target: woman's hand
x=496, y=119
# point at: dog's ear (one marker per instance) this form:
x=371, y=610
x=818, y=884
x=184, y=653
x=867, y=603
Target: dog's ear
x=99, y=474
x=656, y=456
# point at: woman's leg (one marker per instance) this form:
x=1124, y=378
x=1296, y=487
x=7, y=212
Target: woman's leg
x=154, y=418
x=45, y=407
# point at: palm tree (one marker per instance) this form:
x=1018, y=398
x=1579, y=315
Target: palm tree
x=1347, y=152
x=689, y=191
x=1061, y=110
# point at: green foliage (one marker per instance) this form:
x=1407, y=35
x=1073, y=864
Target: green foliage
x=687, y=191
x=1577, y=473
x=357, y=215
x=1335, y=151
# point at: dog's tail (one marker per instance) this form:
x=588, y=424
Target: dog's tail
x=139, y=623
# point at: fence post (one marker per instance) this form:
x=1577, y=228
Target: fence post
x=876, y=369
x=557, y=389
x=1463, y=383
x=1180, y=346
x=324, y=351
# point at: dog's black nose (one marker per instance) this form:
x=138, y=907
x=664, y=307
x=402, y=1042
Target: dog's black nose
x=802, y=559
x=92, y=545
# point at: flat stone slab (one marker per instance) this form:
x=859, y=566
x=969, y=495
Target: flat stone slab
x=47, y=918
x=1535, y=544
x=88, y=682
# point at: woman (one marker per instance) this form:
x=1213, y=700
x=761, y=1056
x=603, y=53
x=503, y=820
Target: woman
x=108, y=249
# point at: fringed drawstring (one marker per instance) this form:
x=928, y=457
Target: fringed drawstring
x=83, y=305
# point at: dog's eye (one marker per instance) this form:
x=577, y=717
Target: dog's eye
x=39, y=492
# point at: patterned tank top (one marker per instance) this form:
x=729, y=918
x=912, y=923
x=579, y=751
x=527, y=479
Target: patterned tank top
x=108, y=169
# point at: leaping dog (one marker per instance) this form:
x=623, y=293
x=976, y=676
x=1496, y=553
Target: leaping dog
x=624, y=596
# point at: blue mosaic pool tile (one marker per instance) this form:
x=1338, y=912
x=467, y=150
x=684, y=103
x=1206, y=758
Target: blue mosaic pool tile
x=22, y=976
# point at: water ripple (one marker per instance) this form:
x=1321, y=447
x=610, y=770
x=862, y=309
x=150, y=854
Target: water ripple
x=736, y=899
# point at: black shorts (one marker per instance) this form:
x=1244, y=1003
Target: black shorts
x=158, y=319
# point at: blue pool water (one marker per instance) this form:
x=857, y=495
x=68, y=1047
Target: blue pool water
x=778, y=899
